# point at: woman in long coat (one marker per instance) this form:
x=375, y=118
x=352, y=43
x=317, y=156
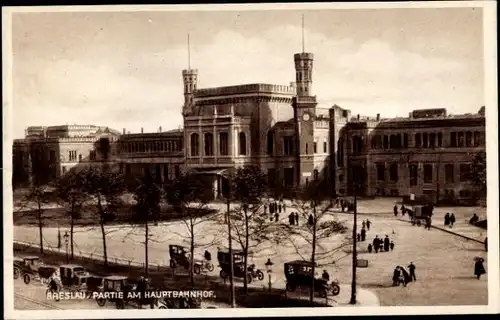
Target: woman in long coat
x=479, y=268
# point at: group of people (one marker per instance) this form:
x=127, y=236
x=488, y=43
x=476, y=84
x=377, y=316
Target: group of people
x=343, y=204
x=275, y=207
x=449, y=219
x=381, y=245
x=401, y=276
x=293, y=219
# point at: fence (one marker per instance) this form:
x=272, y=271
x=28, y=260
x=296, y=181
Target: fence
x=93, y=258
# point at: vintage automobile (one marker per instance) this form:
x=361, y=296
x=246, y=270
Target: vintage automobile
x=238, y=266
x=180, y=303
x=74, y=277
x=31, y=267
x=180, y=256
x=298, y=273
x=117, y=284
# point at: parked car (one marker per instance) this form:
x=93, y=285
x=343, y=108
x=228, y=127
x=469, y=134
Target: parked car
x=298, y=273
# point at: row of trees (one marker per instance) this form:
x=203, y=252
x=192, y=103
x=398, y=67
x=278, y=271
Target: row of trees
x=99, y=191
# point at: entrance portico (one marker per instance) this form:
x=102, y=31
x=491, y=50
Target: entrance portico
x=214, y=177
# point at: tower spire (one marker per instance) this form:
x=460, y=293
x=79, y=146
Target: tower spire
x=303, y=41
x=189, y=53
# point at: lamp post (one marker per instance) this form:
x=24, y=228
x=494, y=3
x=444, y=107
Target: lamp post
x=269, y=268
x=58, y=237
x=354, y=241
x=66, y=241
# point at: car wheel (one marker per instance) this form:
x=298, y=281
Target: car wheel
x=335, y=290
x=223, y=274
x=101, y=302
x=210, y=267
x=196, y=269
x=260, y=275
x=27, y=278
x=16, y=273
x=290, y=287
x=249, y=278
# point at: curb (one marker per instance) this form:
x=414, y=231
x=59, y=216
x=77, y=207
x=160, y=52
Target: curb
x=450, y=232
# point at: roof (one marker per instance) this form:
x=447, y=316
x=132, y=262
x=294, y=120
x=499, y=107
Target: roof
x=303, y=262
x=116, y=277
x=71, y=266
x=30, y=257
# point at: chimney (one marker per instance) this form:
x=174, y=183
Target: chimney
x=124, y=131
x=358, y=117
x=378, y=116
x=142, y=130
x=159, y=129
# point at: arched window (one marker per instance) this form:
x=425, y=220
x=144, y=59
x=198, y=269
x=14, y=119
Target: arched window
x=209, y=144
x=243, y=144
x=270, y=143
x=325, y=147
x=195, y=151
x=392, y=142
x=316, y=174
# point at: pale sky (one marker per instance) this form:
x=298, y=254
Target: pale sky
x=123, y=69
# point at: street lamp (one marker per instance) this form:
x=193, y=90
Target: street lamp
x=66, y=241
x=269, y=268
x=354, y=251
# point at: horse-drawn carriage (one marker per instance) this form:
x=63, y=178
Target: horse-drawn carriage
x=179, y=256
x=418, y=208
x=31, y=267
x=298, y=273
x=238, y=266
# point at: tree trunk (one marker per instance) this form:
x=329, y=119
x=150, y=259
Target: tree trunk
x=245, y=253
x=72, y=222
x=40, y=226
x=101, y=220
x=146, y=240
x=313, y=258
x=231, y=263
x=191, y=271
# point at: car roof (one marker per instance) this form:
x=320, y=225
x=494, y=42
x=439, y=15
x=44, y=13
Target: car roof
x=115, y=278
x=300, y=262
x=31, y=257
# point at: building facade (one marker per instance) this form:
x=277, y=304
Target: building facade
x=282, y=130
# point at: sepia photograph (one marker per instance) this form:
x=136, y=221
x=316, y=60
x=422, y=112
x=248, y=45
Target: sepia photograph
x=330, y=158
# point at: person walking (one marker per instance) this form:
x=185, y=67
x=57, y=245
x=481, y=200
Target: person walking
x=370, y=248
x=403, y=209
x=284, y=207
x=368, y=223
x=376, y=244
x=310, y=220
x=452, y=220
x=395, y=209
x=279, y=207
x=277, y=217
x=358, y=236
x=387, y=243
x=479, y=268
x=296, y=216
x=412, y=268
x=325, y=276
x=392, y=245
x=291, y=219
x=363, y=225
x=447, y=219
x=363, y=234
x=395, y=276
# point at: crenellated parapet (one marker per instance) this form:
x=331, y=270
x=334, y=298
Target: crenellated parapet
x=246, y=88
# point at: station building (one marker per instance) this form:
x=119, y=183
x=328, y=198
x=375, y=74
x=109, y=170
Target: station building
x=283, y=130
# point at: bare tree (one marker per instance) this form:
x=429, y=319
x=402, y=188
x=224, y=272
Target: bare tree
x=248, y=220
x=319, y=224
x=186, y=193
x=148, y=198
x=71, y=195
x=104, y=189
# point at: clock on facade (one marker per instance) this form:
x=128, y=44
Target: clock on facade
x=306, y=117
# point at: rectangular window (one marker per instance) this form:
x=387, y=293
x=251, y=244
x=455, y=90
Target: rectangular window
x=464, y=172
x=449, y=173
x=380, y=172
x=177, y=171
x=271, y=177
x=413, y=174
x=453, y=139
x=393, y=172
x=476, y=139
x=418, y=140
x=315, y=147
x=440, y=139
x=325, y=147
x=432, y=140
x=386, y=142
x=80, y=157
x=425, y=141
x=307, y=148
x=461, y=139
x=468, y=139
x=223, y=144
x=288, y=146
x=405, y=140
x=428, y=173
x=165, y=172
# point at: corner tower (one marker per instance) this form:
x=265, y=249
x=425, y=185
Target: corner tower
x=190, y=80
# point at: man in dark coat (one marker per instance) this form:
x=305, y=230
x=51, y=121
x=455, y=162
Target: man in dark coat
x=406, y=276
x=310, y=220
x=452, y=220
x=392, y=245
x=403, y=209
x=368, y=223
x=395, y=211
x=363, y=225
x=376, y=244
x=395, y=276
x=447, y=219
x=296, y=216
x=358, y=237
x=363, y=234
x=387, y=242
x=370, y=248
x=412, y=268
x=479, y=268
x=291, y=219
x=325, y=276
x=277, y=217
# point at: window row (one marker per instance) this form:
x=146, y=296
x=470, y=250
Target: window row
x=428, y=173
x=288, y=145
x=208, y=144
x=465, y=139
x=422, y=140
x=393, y=141
x=159, y=146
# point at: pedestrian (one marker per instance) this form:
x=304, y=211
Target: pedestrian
x=363, y=234
x=386, y=243
x=310, y=220
x=277, y=217
x=279, y=208
x=428, y=223
x=452, y=220
x=474, y=219
x=265, y=209
x=358, y=237
x=284, y=207
x=342, y=205
x=395, y=276
x=403, y=209
x=291, y=219
x=368, y=223
x=447, y=219
x=363, y=224
x=486, y=244
x=412, y=268
x=392, y=245
x=370, y=248
x=479, y=268
x=296, y=216
x=395, y=210
x=376, y=244
x=271, y=208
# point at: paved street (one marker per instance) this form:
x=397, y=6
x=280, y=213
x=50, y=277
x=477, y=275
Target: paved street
x=444, y=262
